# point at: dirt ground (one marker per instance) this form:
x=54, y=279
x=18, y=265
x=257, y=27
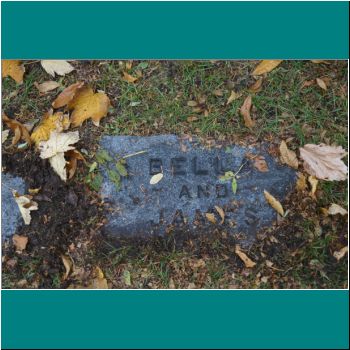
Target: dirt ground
x=296, y=252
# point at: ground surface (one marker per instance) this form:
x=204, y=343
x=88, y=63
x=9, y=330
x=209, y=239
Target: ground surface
x=297, y=252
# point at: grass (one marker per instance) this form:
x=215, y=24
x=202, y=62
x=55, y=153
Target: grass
x=158, y=103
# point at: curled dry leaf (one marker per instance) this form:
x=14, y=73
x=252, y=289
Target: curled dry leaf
x=51, y=122
x=99, y=281
x=301, y=182
x=260, y=164
x=247, y=261
x=13, y=69
x=245, y=112
x=46, y=86
x=313, y=182
x=288, y=156
x=25, y=205
x=20, y=242
x=156, y=178
x=335, y=209
x=87, y=104
x=221, y=213
x=20, y=131
x=256, y=87
x=129, y=78
x=68, y=265
x=72, y=158
x=4, y=135
x=341, y=253
x=59, y=67
x=211, y=217
x=67, y=95
x=54, y=150
x=275, y=204
x=266, y=66
x=321, y=83
x=324, y=162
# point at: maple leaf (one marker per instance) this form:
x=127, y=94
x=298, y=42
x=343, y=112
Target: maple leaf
x=13, y=69
x=266, y=66
x=20, y=131
x=87, y=104
x=25, y=205
x=324, y=162
x=60, y=67
x=288, y=156
x=245, y=112
x=54, y=149
x=51, y=122
x=335, y=209
x=67, y=95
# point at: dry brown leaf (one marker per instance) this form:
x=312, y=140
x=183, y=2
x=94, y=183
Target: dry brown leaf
x=288, y=156
x=68, y=265
x=335, y=209
x=87, y=104
x=221, y=213
x=266, y=66
x=25, y=205
x=67, y=95
x=321, y=83
x=72, y=158
x=324, y=162
x=129, y=78
x=320, y=61
x=247, y=261
x=20, y=131
x=341, y=253
x=275, y=204
x=50, y=122
x=192, y=103
x=307, y=83
x=313, y=182
x=192, y=118
x=260, y=164
x=257, y=86
x=233, y=96
x=99, y=281
x=59, y=67
x=4, y=135
x=301, y=182
x=218, y=92
x=156, y=178
x=20, y=242
x=46, y=86
x=245, y=112
x=13, y=69
x=211, y=217
x=128, y=65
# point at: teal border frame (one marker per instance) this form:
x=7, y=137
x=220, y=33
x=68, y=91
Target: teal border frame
x=175, y=319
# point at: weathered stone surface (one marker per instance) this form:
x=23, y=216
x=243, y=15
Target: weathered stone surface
x=190, y=187
x=11, y=217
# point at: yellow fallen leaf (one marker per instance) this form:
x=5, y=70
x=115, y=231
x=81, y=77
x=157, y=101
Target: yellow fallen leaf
x=20, y=242
x=266, y=66
x=59, y=67
x=87, y=104
x=128, y=65
x=46, y=86
x=275, y=204
x=192, y=103
x=20, y=131
x=218, y=92
x=68, y=264
x=13, y=69
x=129, y=78
x=335, y=209
x=33, y=191
x=99, y=281
x=245, y=112
x=301, y=182
x=313, y=182
x=247, y=261
x=321, y=83
x=211, y=217
x=233, y=96
x=51, y=122
x=324, y=162
x=67, y=95
x=288, y=156
x=25, y=205
x=156, y=178
x=221, y=213
x=256, y=87
x=341, y=253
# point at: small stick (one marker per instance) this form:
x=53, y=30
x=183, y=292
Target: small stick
x=134, y=154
